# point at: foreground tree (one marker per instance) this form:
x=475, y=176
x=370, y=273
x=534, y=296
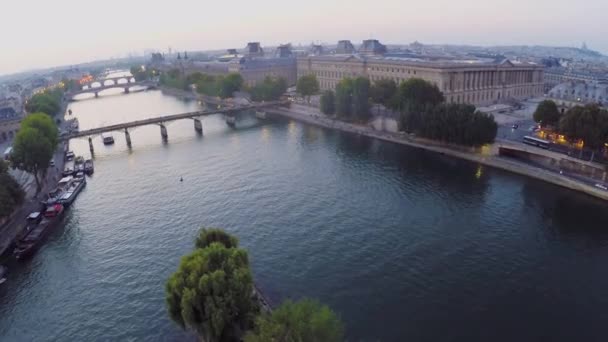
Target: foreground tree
x=307, y=86
x=303, y=321
x=207, y=236
x=34, y=146
x=328, y=102
x=547, y=113
x=211, y=292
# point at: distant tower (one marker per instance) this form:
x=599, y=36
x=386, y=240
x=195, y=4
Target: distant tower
x=170, y=51
x=179, y=56
x=584, y=47
x=185, y=54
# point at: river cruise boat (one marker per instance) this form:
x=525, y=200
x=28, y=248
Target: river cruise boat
x=108, y=140
x=30, y=243
x=3, y=274
x=72, y=190
x=88, y=167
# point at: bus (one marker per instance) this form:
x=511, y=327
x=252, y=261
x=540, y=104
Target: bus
x=536, y=142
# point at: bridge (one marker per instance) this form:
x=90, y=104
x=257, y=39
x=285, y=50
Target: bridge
x=198, y=126
x=126, y=86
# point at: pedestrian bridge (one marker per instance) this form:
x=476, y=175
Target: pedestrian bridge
x=229, y=111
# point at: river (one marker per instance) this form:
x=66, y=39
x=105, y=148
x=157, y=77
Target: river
x=404, y=244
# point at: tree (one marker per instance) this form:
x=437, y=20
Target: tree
x=547, y=113
x=360, y=95
x=307, y=86
x=588, y=123
x=271, y=89
x=328, y=102
x=34, y=146
x=11, y=194
x=303, y=321
x=207, y=236
x=211, y=292
x=344, y=100
x=383, y=90
x=416, y=93
x=228, y=85
x=48, y=102
x=451, y=123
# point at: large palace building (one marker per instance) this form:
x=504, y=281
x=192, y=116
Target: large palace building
x=478, y=81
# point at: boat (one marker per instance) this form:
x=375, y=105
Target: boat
x=55, y=195
x=69, y=155
x=3, y=273
x=71, y=192
x=79, y=164
x=108, y=140
x=28, y=245
x=88, y=166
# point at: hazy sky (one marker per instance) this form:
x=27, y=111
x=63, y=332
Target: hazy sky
x=44, y=33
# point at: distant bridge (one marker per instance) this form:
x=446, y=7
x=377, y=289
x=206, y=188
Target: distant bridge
x=198, y=126
x=126, y=84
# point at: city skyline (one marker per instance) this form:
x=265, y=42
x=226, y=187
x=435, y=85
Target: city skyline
x=79, y=35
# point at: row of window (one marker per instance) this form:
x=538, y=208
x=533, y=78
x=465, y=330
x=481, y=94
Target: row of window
x=393, y=70
x=490, y=95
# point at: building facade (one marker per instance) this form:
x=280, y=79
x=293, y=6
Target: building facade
x=557, y=76
x=570, y=94
x=10, y=117
x=464, y=81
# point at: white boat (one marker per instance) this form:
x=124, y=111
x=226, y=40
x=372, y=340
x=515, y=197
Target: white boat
x=3, y=273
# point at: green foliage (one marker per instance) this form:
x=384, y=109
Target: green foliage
x=48, y=102
x=11, y=195
x=34, y=145
x=383, y=91
x=172, y=79
x=229, y=84
x=452, y=123
x=352, y=98
x=270, y=90
x=70, y=85
x=211, y=292
x=344, y=101
x=415, y=94
x=207, y=236
x=307, y=86
x=361, y=93
x=141, y=73
x=588, y=123
x=303, y=321
x=547, y=113
x=328, y=102
x=222, y=86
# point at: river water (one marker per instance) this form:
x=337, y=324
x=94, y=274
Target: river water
x=405, y=245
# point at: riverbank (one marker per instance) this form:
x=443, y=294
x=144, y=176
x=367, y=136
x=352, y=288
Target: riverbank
x=488, y=158
x=10, y=230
